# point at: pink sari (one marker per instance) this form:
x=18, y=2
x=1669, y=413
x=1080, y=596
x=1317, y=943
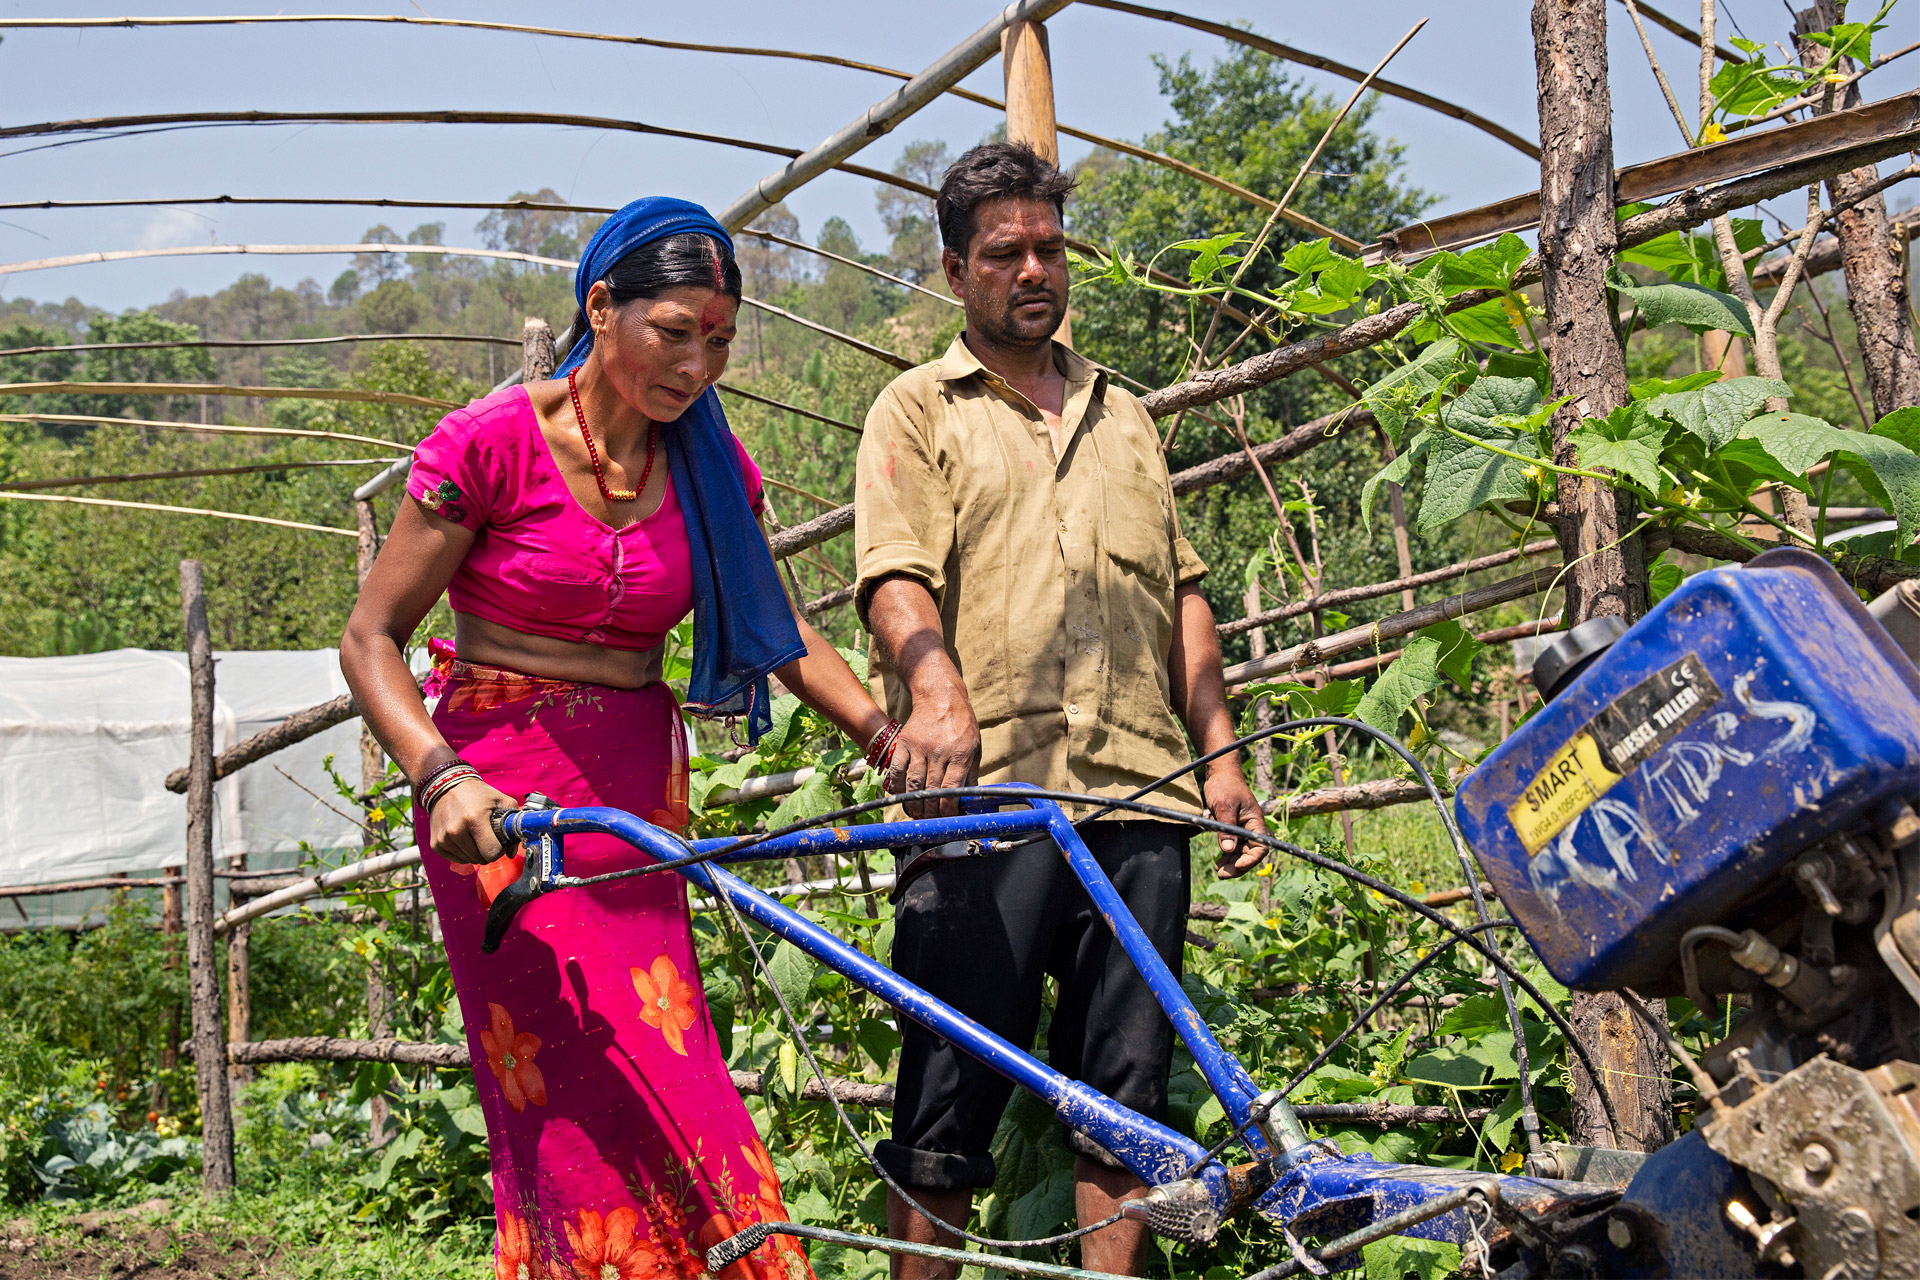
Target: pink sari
x=620, y=1148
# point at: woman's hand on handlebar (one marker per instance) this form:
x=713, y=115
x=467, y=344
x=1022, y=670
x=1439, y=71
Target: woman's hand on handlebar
x=462, y=822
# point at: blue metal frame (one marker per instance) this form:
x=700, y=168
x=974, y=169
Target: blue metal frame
x=1333, y=1191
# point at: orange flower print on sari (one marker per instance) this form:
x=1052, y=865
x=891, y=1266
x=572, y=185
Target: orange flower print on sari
x=511, y=1057
x=611, y=1248
x=489, y=878
x=513, y=1250
x=666, y=1001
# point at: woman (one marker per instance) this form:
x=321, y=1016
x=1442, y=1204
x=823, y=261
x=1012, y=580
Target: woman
x=573, y=523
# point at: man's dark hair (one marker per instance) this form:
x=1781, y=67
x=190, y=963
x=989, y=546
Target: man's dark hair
x=994, y=171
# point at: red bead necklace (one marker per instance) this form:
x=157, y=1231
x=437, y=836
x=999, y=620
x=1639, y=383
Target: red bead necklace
x=599, y=477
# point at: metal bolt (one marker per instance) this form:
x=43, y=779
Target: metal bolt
x=1816, y=1159
x=1619, y=1234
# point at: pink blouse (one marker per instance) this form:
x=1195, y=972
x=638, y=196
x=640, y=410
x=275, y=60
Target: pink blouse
x=541, y=564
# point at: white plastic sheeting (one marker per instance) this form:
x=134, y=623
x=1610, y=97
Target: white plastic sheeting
x=86, y=744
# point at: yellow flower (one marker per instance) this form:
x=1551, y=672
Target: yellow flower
x=1266, y=869
x=1532, y=472
x=1711, y=134
x=1273, y=923
x=1418, y=888
x=1511, y=1161
x=1514, y=316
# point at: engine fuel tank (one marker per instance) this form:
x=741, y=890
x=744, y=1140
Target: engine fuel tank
x=1750, y=714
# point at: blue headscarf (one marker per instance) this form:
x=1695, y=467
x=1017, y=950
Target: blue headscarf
x=742, y=633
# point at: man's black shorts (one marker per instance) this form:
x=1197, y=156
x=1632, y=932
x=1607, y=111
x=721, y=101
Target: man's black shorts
x=980, y=933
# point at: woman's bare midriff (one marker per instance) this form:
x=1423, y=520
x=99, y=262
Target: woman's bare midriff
x=479, y=640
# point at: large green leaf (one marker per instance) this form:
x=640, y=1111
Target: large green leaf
x=1398, y=1257
x=1716, y=411
x=1490, y=398
x=1314, y=255
x=1693, y=305
x=1411, y=676
x=1395, y=472
x=1627, y=441
x=1458, y=649
x=1887, y=469
x=1486, y=323
x=1902, y=425
x=1462, y=476
x=811, y=799
x=793, y=971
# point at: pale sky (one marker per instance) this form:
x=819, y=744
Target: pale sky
x=1475, y=52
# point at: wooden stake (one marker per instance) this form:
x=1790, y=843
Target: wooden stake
x=209, y=1043
x=1606, y=573
x=239, y=985
x=373, y=769
x=1028, y=64
x=537, y=361
x=172, y=923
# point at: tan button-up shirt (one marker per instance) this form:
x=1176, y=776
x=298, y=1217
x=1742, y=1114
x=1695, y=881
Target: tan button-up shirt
x=1054, y=578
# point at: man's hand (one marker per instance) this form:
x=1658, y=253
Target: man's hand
x=938, y=747
x=940, y=744
x=1229, y=799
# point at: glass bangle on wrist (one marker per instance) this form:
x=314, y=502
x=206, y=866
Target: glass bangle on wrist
x=880, y=750
x=442, y=779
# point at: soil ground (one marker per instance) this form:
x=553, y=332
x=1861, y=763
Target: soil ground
x=128, y=1244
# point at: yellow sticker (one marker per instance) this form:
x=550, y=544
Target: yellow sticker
x=1575, y=777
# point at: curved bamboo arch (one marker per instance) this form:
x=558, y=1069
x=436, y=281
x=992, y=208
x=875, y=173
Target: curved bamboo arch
x=1288, y=53
x=96, y=124
x=853, y=64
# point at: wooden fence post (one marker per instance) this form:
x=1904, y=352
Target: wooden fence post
x=209, y=1044
x=1027, y=62
x=1606, y=572
x=239, y=979
x=1869, y=254
x=537, y=360
x=373, y=771
x=172, y=923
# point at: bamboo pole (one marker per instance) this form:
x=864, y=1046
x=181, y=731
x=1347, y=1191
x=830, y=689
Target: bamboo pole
x=352, y=394
x=226, y=343
x=216, y=1112
x=1027, y=66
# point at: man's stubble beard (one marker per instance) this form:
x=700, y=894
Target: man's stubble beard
x=1004, y=331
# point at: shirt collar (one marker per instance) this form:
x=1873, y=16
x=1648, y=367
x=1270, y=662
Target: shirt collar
x=960, y=363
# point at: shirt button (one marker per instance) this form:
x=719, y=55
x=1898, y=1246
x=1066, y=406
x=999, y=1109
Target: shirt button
x=1073, y=708
x=1063, y=526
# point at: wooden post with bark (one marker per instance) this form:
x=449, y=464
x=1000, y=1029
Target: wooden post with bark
x=1869, y=253
x=1028, y=64
x=373, y=771
x=209, y=1042
x=1606, y=573
x=537, y=359
x=239, y=980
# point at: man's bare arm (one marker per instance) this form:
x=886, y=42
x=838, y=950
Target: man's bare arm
x=1199, y=695
x=940, y=744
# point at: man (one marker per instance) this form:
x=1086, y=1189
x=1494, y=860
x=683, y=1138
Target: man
x=1036, y=620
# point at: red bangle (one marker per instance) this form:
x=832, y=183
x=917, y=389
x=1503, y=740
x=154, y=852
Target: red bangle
x=441, y=780
x=880, y=750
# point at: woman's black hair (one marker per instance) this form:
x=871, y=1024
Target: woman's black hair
x=691, y=259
